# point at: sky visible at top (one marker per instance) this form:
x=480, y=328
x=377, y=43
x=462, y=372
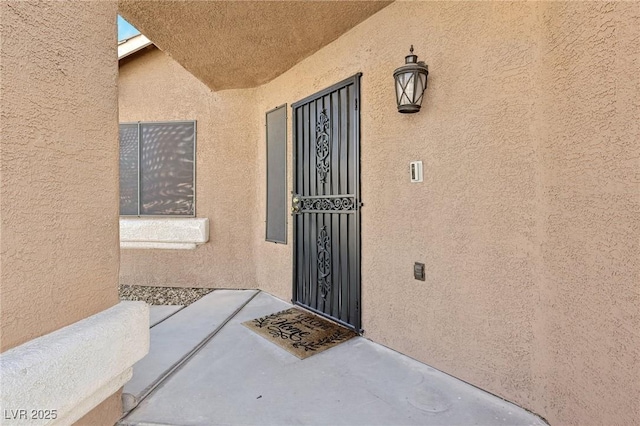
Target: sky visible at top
x=125, y=29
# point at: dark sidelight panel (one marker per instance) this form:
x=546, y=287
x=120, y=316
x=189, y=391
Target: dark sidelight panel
x=167, y=168
x=326, y=202
x=128, y=169
x=276, y=223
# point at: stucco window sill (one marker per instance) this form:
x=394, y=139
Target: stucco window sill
x=163, y=233
x=75, y=368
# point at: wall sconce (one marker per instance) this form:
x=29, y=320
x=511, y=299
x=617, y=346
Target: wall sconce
x=411, y=81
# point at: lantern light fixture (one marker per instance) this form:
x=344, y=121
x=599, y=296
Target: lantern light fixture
x=411, y=81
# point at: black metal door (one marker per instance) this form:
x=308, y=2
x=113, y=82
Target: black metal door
x=326, y=202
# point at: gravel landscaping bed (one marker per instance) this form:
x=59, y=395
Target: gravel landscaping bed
x=162, y=295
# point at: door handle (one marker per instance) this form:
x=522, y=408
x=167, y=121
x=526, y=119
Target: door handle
x=295, y=204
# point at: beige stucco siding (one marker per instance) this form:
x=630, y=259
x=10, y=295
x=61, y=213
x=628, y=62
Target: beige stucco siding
x=587, y=347
x=153, y=87
x=527, y=219
x=59, y=163
x=107, y=413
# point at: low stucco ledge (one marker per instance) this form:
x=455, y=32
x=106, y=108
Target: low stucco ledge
x=73, y=369
x=163, y=233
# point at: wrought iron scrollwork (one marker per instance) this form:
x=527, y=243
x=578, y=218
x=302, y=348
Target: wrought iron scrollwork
x=324, y=262
x=323, y=146
x=329, y=204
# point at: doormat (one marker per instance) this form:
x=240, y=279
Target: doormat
x=299, y=332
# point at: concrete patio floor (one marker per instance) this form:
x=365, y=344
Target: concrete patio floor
x=205, y=368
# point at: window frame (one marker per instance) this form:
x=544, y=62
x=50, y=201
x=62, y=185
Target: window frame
x=195, y=145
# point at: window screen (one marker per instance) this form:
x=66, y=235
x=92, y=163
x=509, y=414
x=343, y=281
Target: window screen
x=128, y=169
x=157, y=168
x=277, y=175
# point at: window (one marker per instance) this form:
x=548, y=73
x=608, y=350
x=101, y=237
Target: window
x=276, y=223
x=157, y=168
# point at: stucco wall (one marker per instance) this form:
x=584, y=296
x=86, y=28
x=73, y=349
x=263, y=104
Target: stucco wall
x=153, y=87
x=105, y=414
x=59, y=165
x=528, y=217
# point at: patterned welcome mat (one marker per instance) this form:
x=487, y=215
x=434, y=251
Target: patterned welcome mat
x=299, y=332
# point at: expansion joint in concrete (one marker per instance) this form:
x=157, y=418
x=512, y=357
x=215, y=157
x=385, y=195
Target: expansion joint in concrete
x=168, y=316
x=130, y=402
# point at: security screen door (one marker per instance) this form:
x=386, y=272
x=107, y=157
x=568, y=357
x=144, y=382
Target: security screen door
x=326, y=202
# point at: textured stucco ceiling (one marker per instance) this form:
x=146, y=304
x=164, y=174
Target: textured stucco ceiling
x=238, y=44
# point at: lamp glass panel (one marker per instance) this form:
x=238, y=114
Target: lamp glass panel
x=407, y=81
x=419, y=88
x=409, y=87
x=399, y=88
